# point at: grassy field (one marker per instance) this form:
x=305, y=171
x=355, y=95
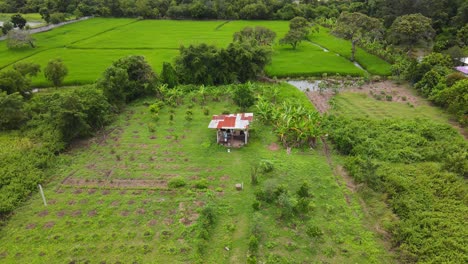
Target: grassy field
x=110, y=200
x=291, y=63
x=359, y=105
x=89, y=47
x=371, y=63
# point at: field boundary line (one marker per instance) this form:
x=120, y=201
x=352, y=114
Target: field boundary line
x=221, y=25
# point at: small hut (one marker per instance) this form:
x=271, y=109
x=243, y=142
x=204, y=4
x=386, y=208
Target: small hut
x=232, y=130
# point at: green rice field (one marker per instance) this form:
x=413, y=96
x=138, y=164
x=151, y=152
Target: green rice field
x=88, y=47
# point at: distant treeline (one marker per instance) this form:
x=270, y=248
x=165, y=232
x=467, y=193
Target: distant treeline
x=443, y=12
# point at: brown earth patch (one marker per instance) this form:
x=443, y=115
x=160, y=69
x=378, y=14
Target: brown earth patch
x=141, y=211
x=157, y=212
x=52, y=202
x=131, y=202
x=76, y=213
x=49, y=224
x=91, y=191
x=168, y=221
x=71, y=202
x=43, y=213
x=115, y=183
x=185, y=221
x=83, y=201
x=61, y=213
x=92, y=213
x=59, y=191
x=115, y=203
x=77, y=191
x=273, y=147
x=152, y=222
x=123, y=192
x=124, y=213
x=199, y=203
x=31, y=226
x=224, y=178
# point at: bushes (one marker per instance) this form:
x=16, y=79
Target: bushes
x=128, y=79
x=21, y=169
x=409, y=161
x=58, y=118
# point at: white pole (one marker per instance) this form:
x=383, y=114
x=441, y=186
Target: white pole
x=42, y=194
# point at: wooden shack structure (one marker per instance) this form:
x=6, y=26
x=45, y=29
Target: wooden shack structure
x=232, y=130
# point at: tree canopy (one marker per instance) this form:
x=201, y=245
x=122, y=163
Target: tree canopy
x=357, y=26
x=409, y=30
x=55, y=71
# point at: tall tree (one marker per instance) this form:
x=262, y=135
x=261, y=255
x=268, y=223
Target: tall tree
x=55, y=71
x=17, y=39
x=18, y=20
x=356, y=27
x=409, y=30
x=261, y=35
x=299, y=29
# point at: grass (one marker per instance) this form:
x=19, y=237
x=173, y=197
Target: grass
x=358, y=105
x=88, y=47
x=157, y=224
x=373, y=64
x=30, y=17
x=309, y=60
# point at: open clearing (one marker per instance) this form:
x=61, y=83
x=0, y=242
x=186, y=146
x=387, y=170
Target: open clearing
x=88, y=47
x=110, y=201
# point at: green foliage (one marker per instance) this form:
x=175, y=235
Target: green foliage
x=58, y=118
x=253, y=244
x=313, y=231
x=11, y=111
x=55, y=72
x=27, y=69
x=177, y=182
x=406, y=160
x=265, y=166
x=7, y=27
x=168, y=75
x=259, y=35
x=243, y=96
x=56, y=18
x=304, y=190
x=12, y=81
x=299, y=29
x=128, y=79
x=19, y=39
x=208, y=65
x=455, y=99
x=18, y=21
x=408, y=30
x=357, y=27
x=294, y=124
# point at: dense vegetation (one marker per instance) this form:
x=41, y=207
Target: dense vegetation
x=421, y=166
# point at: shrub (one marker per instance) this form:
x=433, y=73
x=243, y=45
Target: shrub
x=177, y=182
x=266, y=166
x=313, y=231
x=253, y=244
x=200, y=184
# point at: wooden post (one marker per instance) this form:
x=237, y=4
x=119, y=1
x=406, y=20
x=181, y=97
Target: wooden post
x=42, y=194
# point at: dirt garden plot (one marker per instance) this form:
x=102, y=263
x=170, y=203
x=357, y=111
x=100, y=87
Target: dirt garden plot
x=116, y=183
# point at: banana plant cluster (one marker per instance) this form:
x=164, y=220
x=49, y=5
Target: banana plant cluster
x=294, y=124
